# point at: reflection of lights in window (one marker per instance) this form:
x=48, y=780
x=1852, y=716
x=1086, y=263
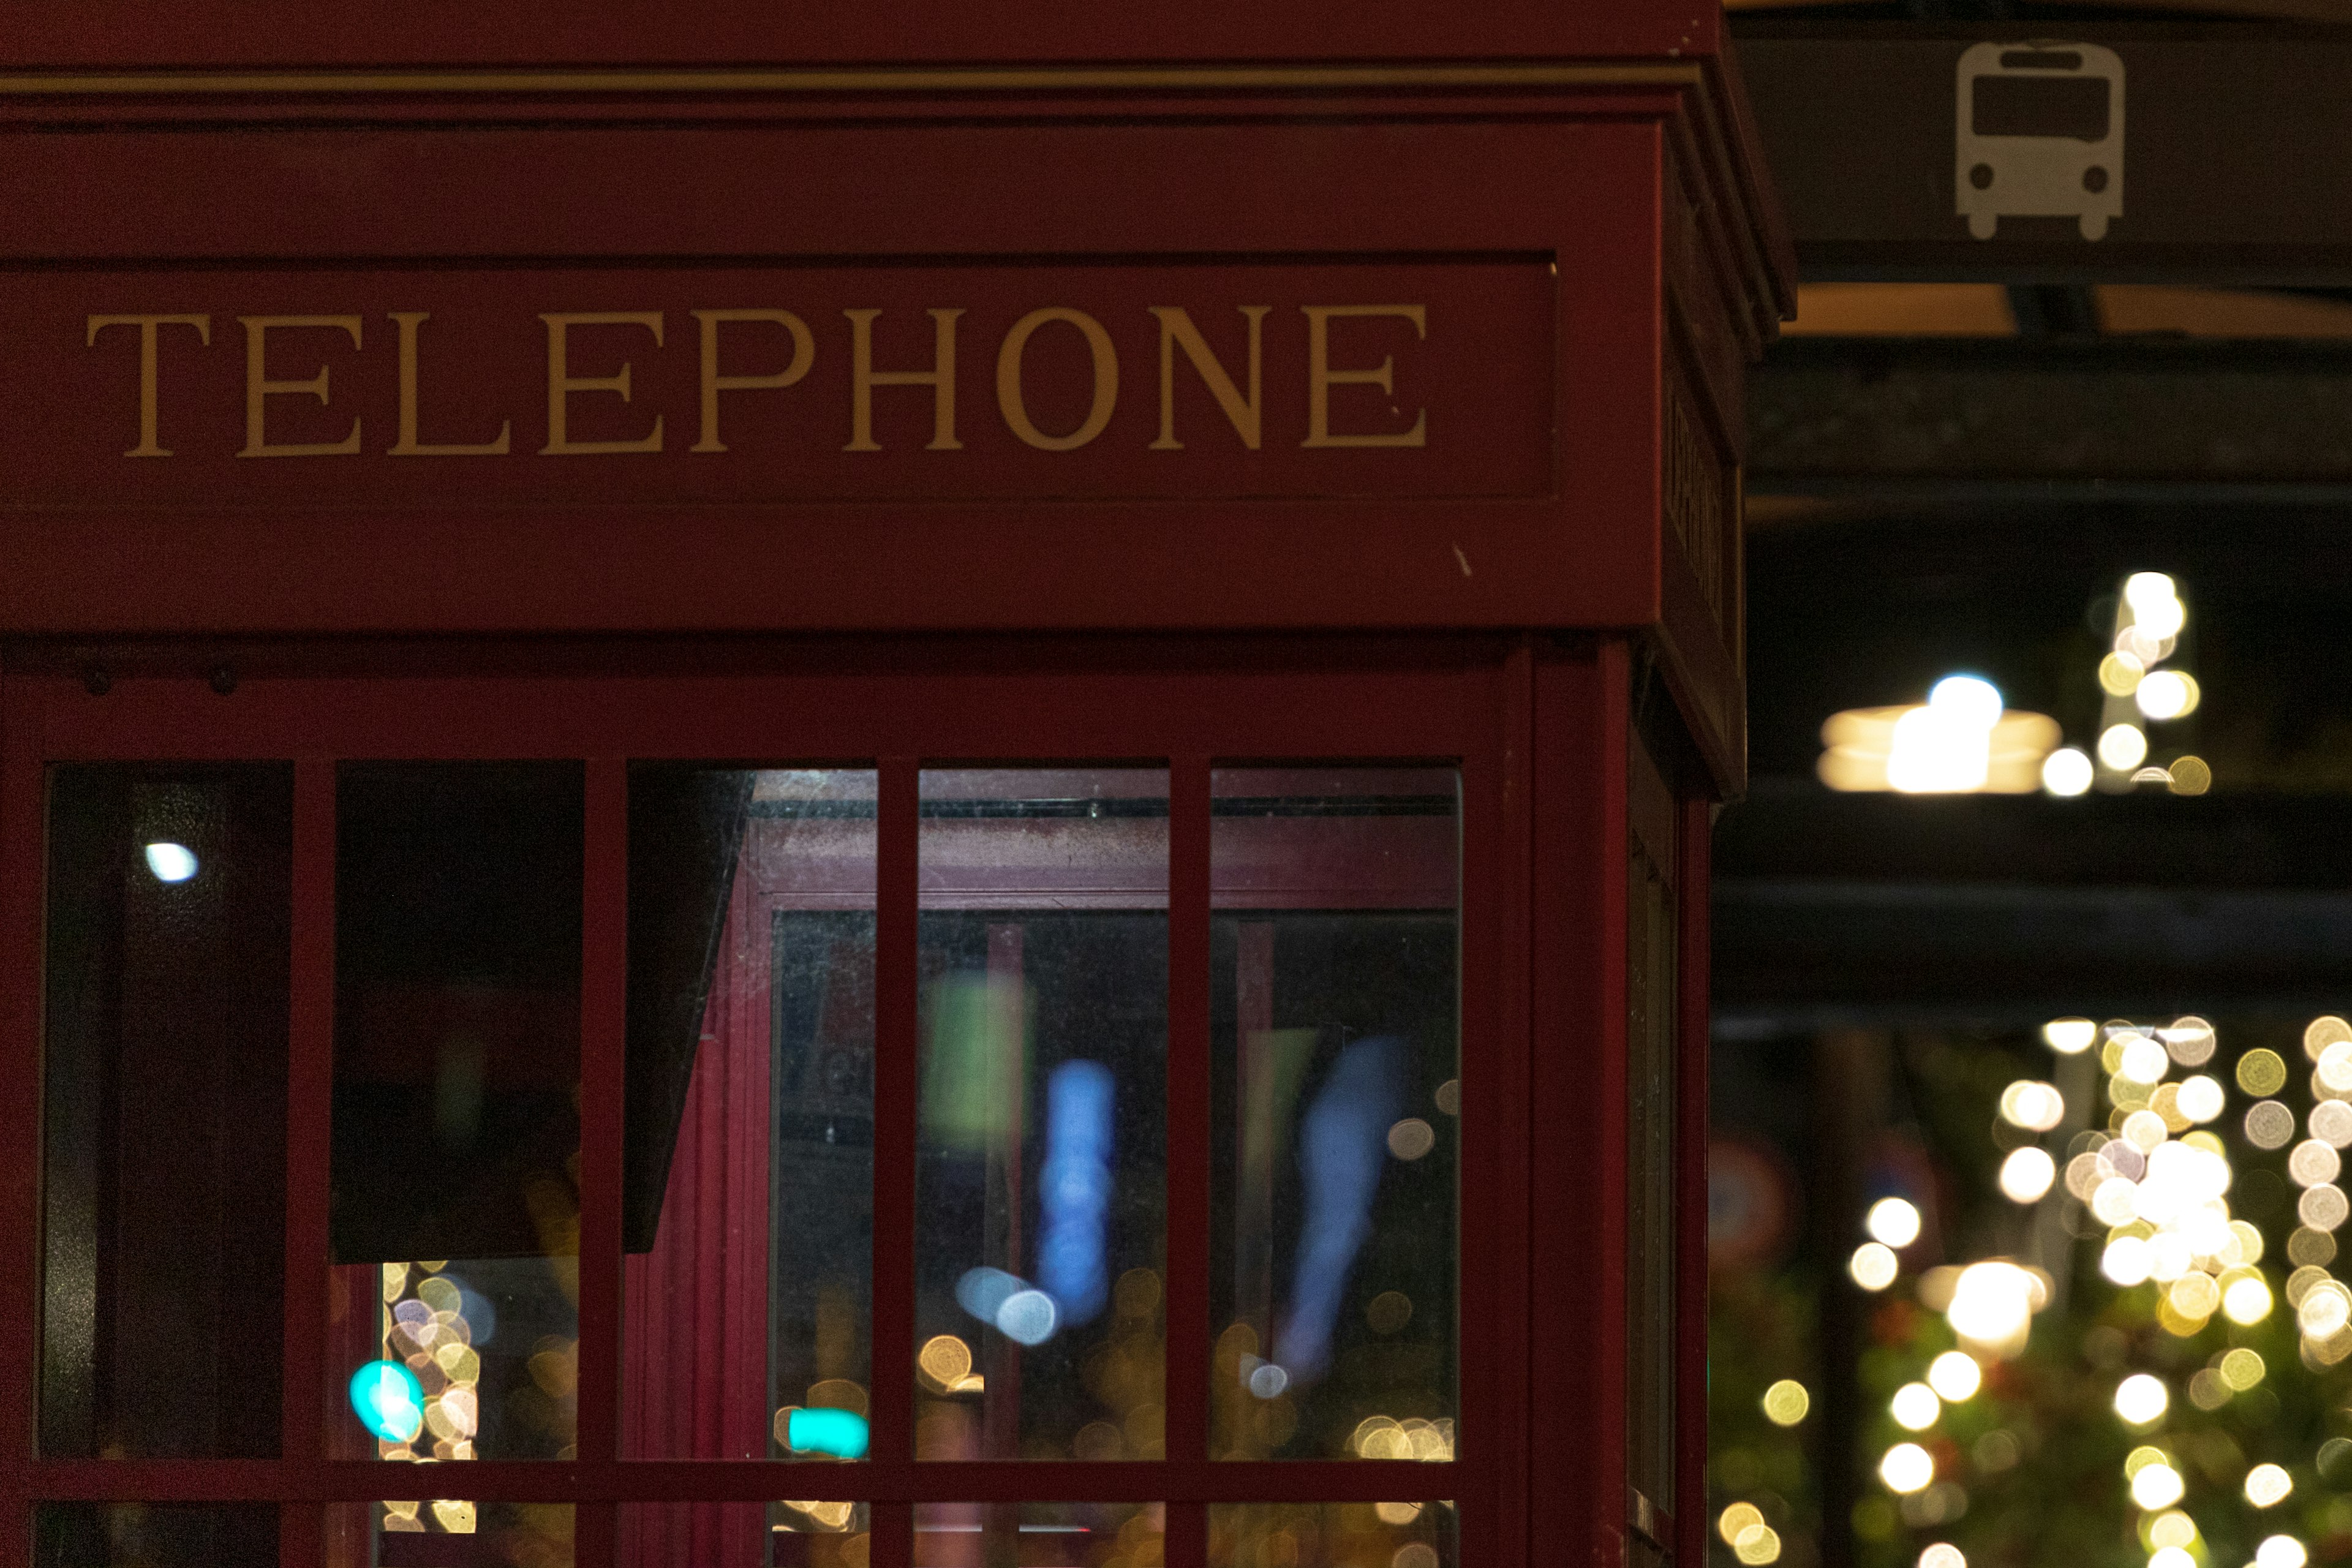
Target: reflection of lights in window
x=1907, y=1468
x=171, y=862
x=1785, y=1402
x=1873, y=1266
x=2067, y=772
x=1955, y=1377
x=1916, y=1408
x=2069, y=1037
x=1894, y=1222
x=1076, y=1191
x=841, y=1433
x=2268, y=1486
x=1412, y=1138
x=2157, y=1486
x=2026, y=1174
x=2123, y=747
x=389, y=1401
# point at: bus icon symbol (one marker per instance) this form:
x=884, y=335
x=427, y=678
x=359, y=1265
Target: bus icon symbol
x=2039, y=133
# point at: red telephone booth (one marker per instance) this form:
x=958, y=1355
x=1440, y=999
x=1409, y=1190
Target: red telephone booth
x=919, y=788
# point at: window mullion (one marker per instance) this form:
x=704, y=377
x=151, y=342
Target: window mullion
x=891, y=1397
x=603, y=1035
x=1185, y=1393
x=310, y=1094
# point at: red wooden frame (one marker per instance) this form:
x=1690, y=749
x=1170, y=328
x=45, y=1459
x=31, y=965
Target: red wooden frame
x=1530, y=726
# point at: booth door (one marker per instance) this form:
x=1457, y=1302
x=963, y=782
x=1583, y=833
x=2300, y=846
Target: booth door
x=854, y=1119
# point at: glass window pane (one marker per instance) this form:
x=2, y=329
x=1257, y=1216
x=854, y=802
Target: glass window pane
x=454, y=1179
x=750, y=1206
x=1333, y=1015
x=443, y=1532
x=153, y=1535
x=1038, y=1534
x=1041, y=1202
x=164, y=1139
x=1333, y=1535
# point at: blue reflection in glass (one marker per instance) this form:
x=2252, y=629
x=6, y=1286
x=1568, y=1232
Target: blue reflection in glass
x=1075, y=1190
x=171, y=862
x=841, y=1433
x=389, y=1401
x=1342, y=1149
x=1009, y=1304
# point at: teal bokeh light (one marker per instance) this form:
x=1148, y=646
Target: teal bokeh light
x=841, y=1433
x=390, y=1401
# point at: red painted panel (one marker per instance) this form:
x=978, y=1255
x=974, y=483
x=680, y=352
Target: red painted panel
x=451, y=32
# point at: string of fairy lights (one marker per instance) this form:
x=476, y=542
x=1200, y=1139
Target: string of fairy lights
x=2153, y=1188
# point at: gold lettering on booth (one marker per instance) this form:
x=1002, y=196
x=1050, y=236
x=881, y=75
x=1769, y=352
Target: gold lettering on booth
x=259, y=388
x=1321, y=378
x=713, y=384
x=1177, y=330
x=561, y=384
x=863, y=378
x=1015, y=408
x=408, y=446
x=149, y=446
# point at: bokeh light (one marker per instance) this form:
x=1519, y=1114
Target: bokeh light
x=2141, y=1400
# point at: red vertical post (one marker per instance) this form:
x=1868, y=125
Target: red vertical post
x=898, y=893
x=1185, y=1390
x=23, y=795
x=1693, y=1035
x=309, y=1395
x=603, y=1043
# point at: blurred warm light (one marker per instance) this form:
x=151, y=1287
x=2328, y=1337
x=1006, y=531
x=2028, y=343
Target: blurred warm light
x=2141, y=1400
x=1738, y=1518
x=2242, y=1368
x=2157, y=1486
x=2167, y=694
x=2125, y=1260
x=2026, y=1174
x=2123, y=747
x=1914, y=1408
x=2246, y=1300
x=2324, y=1031
x=1785, y=1402
x=1758, y=1545
x=2155, y=601
x=2171, y=1557
x=2171, y=1528
x=2069, y=1037
x=1955, y=1377
x=2119, y=674
x=1959, y=742
x=1907, y=1468
x=2268, y=1486
x=1874, y=1266
x=2067, y=773
x=2281, y=1551
x=1943, y=1554
x=2037, y=1106
x=2142, y=1060
x=2201, y=1098
x=2190, y=775
x=2263, y=1072
x=1992, y=1307
x=1893, y=1221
